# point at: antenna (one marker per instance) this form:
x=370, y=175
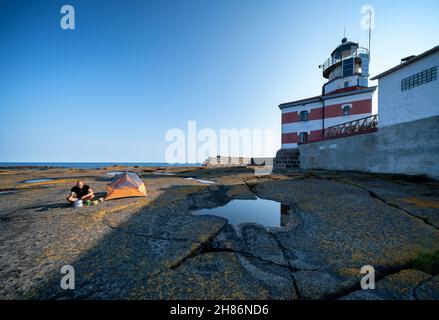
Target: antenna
x=370, y=27
x=344, y=32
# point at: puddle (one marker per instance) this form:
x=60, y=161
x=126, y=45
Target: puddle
x=265, y=212
x=201, y=180
x=38, y=180
x=164, y=173
x=7, y=192
x=114, y=173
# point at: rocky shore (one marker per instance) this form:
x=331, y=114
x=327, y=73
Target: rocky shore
x=154, y=248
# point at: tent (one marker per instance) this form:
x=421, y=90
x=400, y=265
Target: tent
x=125, y=185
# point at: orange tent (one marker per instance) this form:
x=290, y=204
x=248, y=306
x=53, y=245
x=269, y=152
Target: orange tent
x=125, y=185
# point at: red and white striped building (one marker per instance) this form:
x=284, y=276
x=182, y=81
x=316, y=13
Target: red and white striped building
x=345, y=97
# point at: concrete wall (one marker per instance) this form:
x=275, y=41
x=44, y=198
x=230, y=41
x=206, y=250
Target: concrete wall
x=396, y=106
x=408, y=148
x=221, y=161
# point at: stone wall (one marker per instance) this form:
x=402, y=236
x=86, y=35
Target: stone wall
x=287, y=159
x=221, y=161
x=410, y=148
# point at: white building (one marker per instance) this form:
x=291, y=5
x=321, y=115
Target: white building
x=409, y=91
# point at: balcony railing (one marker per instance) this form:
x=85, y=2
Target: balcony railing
x=359, y=126
x=354, y=54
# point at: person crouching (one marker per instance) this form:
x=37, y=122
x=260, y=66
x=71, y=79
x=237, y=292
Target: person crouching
x=80, y=192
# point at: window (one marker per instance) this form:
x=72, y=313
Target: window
x=348, y=67
x=419, y=79
x=346, y=110
x=303, y=115
x=303, y=137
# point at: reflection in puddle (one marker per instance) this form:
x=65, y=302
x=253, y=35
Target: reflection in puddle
x=265, y=212
x=284, y=215
x=38, y=180
x=201, y=180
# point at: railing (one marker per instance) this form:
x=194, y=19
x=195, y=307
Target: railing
x=355, y=54
x=351, y=128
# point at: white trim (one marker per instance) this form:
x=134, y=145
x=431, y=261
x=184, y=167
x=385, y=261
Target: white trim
x=304, y=107
x=329, y=122
x=297, y=127
x=330, y=101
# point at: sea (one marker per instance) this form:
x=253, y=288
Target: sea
x=88, y=165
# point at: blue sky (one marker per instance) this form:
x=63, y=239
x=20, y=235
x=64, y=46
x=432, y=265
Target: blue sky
x=110, y=89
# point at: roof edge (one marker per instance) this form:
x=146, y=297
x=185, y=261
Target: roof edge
x=299, y=102
x=325, y=97
x=350, y=93
x=404, y=64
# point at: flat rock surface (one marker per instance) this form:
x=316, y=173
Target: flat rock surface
x=154, y=248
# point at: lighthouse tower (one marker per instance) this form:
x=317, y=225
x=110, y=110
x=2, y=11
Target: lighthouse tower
x=345, y=97
x=347, y=67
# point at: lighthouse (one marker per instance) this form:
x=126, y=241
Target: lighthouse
x=345, y=97
x=347, y=67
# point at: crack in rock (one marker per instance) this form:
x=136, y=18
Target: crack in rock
x=244, y=254
x=151, y=236
x=285, y=255
x=376, y=196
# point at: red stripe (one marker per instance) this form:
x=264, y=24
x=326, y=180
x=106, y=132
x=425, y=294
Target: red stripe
x=316, y=114
x=290, y=138
x=331, y=111
x=358, y=107
x=315, y=136
x=347, y=89
x=293, y=137
x=290, y=117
